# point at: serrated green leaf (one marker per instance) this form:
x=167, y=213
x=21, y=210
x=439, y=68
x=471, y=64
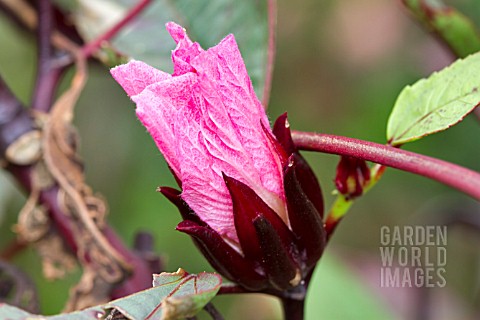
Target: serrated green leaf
x=174, y=296
x=436, y=103
x=206, y=21
x=453, y=27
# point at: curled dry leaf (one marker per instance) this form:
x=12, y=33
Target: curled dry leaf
x=57, y=261
x=104, y=267
x=51, y=153
x=34, y=227
x=89, y=291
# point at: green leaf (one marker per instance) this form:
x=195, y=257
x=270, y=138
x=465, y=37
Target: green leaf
x=174, y=296
x=437, y=103
x=453, y=27
x=206, y=21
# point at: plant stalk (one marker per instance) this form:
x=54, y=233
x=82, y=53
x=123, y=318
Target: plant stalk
x=293, y=309
x=455, y=176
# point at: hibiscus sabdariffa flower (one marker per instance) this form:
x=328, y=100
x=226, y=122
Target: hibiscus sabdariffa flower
x=248, y=199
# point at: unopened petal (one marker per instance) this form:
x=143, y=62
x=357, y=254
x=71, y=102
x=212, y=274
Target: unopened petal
x=135, y=76
x=157, y=108
x=185, y=51
x=203, y=189
x=234, y=114
x=207, y=120
x=177, y=32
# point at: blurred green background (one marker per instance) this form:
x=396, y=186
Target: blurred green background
x=339, y=67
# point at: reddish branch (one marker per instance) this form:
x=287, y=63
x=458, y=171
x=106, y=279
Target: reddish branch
x=16, y=124
x=460, y=178
x=91, y=47
x=15, y=120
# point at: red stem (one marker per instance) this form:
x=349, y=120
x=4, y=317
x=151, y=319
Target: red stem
x=272, y=24
x=91, y=47
x=213, y=312
x=455, y=176
x=293, y=309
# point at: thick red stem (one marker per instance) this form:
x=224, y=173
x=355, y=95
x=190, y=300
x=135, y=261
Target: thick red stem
x=455, y=176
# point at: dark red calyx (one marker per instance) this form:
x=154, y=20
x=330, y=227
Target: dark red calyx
x=173, y=195
x=281, y=130
x=352, y=177
x=280, y=151
x=305, y=220
x=308, y=182
x=305, y=174
x=247, y=206
x=282, y=271
x=223, y=257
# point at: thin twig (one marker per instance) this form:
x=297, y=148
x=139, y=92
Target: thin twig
x=272, y=35
x=460, y=178
x=12, y=249
x=22, y=11
x=27, y=16
x=91, y=47
x=454, y=29
x=213, y=312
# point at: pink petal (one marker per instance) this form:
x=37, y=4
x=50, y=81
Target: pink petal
x=136, y=76
x=157, y=108
x=185, y=51
x=178, y=33
x=206, y=120
x=203, y=189
x=232, y=117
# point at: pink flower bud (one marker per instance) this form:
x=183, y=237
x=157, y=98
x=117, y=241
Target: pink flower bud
x=206, y=119
x=250, y=202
